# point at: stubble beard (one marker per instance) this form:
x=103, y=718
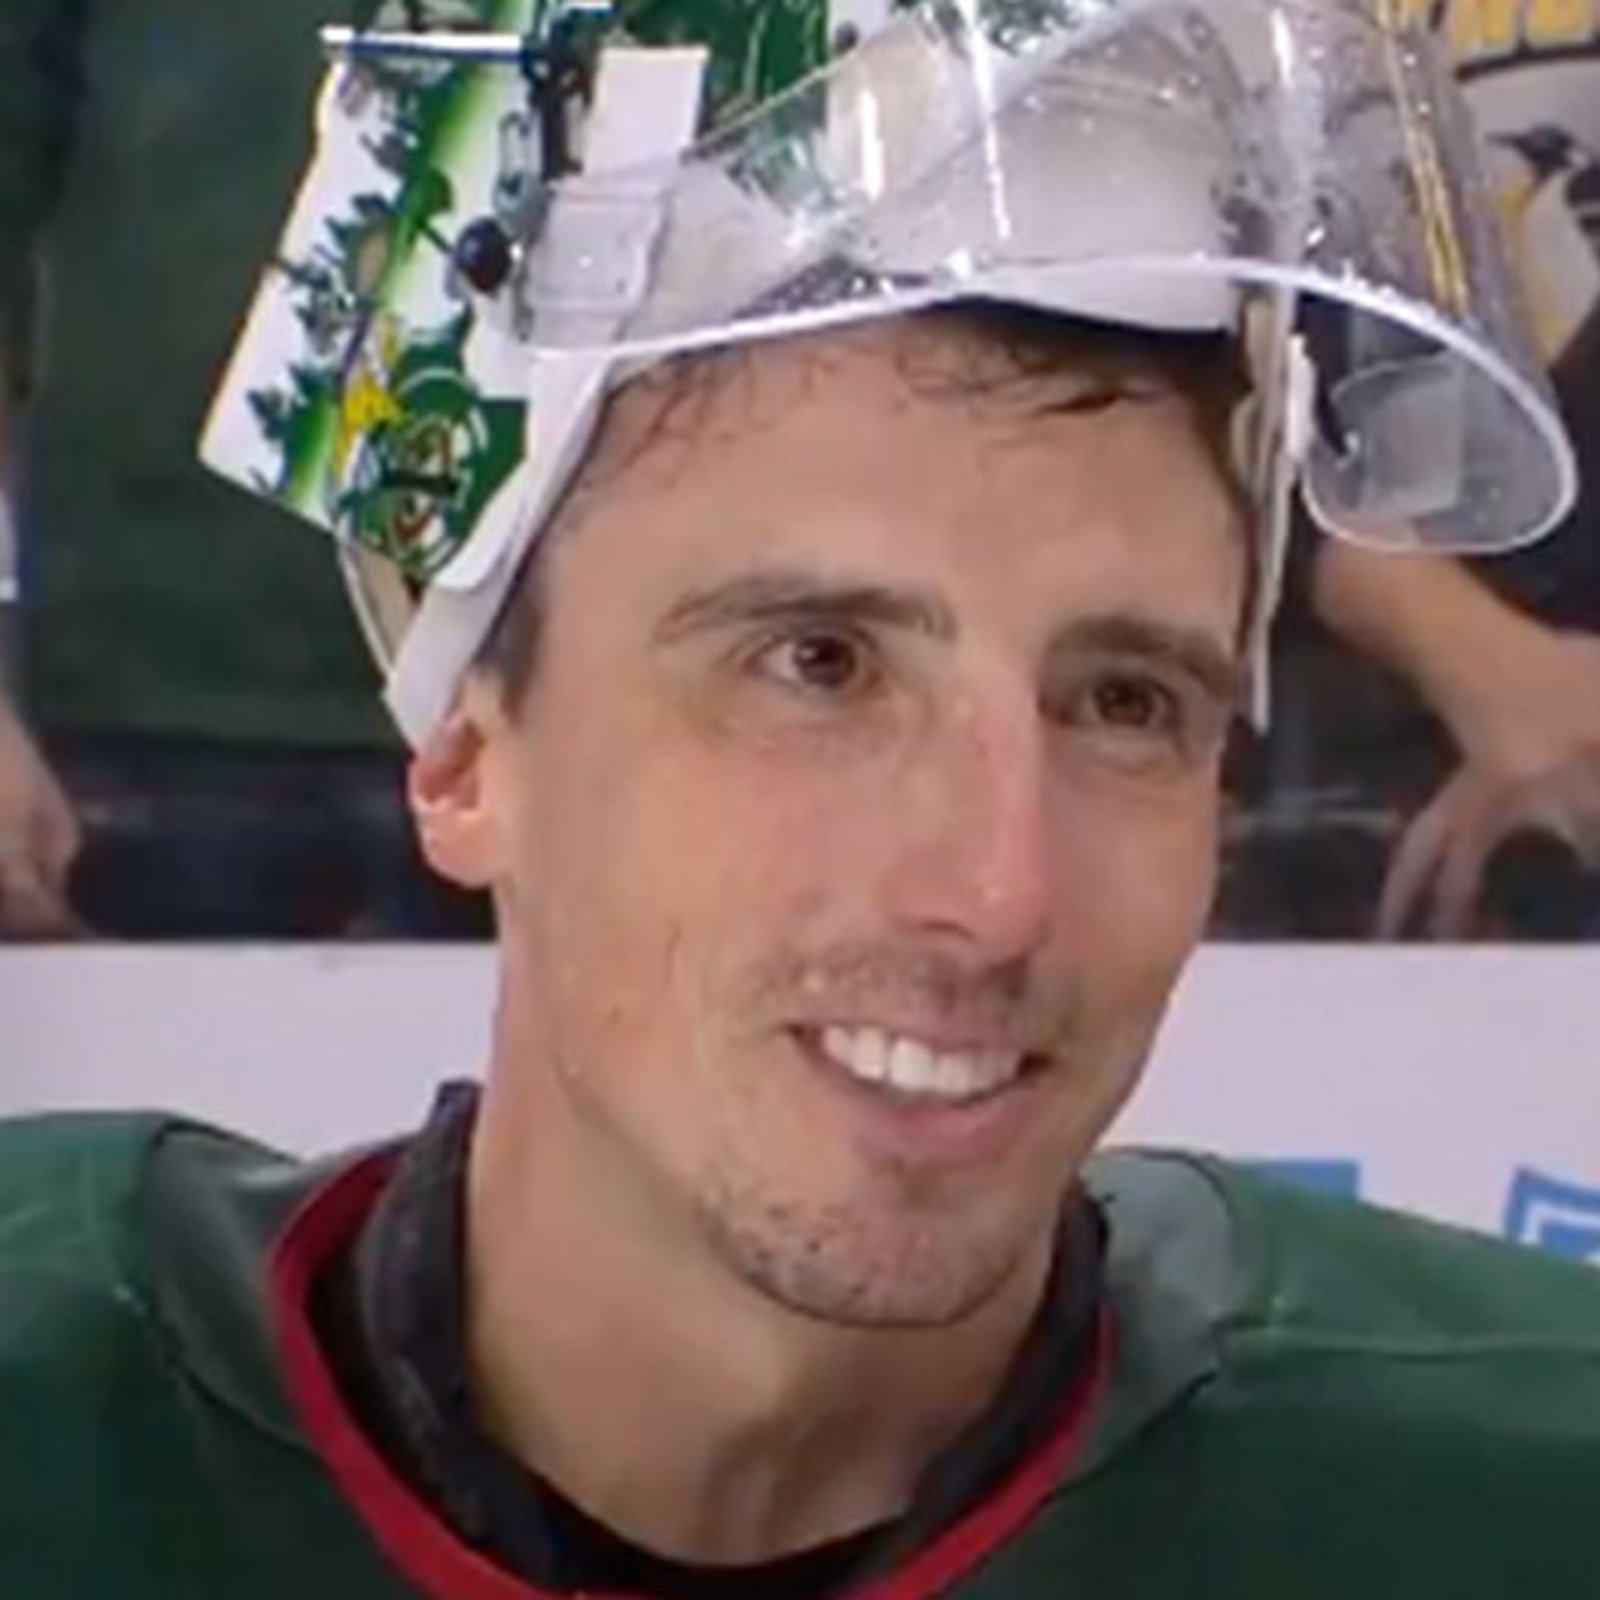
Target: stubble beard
x=889, y=1263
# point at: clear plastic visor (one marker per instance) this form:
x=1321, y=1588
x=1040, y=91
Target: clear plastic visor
x=1142, y=161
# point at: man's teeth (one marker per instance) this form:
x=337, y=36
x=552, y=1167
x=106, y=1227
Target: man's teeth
x=914, y=1068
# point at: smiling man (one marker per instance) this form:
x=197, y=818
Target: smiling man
x=832, y=702
x=846, y=847
x=963, y=689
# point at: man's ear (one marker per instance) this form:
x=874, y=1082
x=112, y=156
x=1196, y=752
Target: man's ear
x=450, y=793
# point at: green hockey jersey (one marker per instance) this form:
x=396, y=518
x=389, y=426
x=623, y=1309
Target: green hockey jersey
x=1299, y=1397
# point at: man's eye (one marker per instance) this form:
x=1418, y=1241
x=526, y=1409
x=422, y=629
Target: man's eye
x=824, y=662
x=1132, y=703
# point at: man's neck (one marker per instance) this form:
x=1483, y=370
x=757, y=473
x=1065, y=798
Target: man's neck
x=686, y=1411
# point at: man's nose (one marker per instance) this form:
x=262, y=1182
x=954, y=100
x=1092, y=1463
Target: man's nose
x=974, y=859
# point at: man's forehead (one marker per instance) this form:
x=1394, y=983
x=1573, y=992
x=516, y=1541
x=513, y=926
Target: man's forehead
x=949, y=375
x=816, y=457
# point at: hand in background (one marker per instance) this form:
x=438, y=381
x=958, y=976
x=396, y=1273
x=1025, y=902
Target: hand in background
x=39, y=839
x=1529, y=737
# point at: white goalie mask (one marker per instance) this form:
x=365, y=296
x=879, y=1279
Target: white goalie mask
x=547, y=217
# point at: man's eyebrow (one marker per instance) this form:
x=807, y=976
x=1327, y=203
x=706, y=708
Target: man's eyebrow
x=1193, y=651
x=765, y=597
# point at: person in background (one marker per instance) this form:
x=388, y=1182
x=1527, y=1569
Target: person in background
x=39, y=835
x=1503, y=653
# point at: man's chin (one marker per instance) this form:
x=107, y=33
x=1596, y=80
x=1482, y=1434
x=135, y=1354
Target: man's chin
x=850, y=1272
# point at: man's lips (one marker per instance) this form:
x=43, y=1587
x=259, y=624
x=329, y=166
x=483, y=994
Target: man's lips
x=918, y=1065
x=912, y=1101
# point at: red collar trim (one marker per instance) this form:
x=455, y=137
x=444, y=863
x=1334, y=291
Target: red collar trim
x=423, y=1547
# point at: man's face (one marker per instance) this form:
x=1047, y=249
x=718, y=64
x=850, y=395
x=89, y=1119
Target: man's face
x=863, y=807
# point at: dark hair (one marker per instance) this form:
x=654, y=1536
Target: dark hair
x=1110, y=363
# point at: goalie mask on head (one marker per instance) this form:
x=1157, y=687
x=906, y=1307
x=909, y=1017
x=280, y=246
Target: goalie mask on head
x=498, y=229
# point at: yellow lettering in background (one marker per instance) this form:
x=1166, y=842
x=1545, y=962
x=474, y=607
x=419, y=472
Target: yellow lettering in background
x=1558, y=22
x=1411, y=13
x=1480, y=28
